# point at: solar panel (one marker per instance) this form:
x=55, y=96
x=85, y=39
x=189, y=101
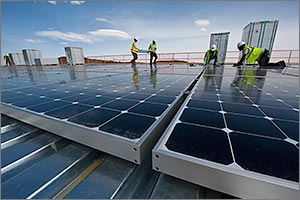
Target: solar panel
x=106, y=112
x=236, y=134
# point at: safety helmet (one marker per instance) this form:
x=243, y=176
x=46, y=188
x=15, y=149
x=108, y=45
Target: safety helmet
x=136, y=38
x=213, y=47
x=241, y=45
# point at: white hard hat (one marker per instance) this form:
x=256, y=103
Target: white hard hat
x=213, y=47
x=136, y=38
x=241, y=45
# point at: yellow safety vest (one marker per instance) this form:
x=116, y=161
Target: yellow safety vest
x=152, y=47
x=253, y=54
x=133, y=48
x=210, y=54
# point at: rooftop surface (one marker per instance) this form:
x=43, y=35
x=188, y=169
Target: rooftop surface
x=164, y=94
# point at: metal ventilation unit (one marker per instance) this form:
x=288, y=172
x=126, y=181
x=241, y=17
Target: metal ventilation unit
x=221, y=41
x=74, y=55
x=32, y=56
x=260, y=34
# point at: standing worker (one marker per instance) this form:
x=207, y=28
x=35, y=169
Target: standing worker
x=152, y=47
x=252, y=54
x=212, y=53
x=134, y=50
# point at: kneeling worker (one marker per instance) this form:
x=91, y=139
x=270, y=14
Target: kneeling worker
x=212, y=53
x=261, y=55
x=152, y=47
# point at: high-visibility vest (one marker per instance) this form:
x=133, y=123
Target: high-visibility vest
x=152, y=47
x=210, y=54
x=253, y=54
x=133, y=48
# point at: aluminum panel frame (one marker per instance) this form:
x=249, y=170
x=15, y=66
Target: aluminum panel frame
x=227, y=179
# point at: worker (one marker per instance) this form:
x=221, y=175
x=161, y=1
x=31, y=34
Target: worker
x=252, y=54
x=212, y=53
x=152, y=47
x=7, y=60
x=134, y=50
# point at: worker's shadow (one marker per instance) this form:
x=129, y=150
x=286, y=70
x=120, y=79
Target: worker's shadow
x=135, y=76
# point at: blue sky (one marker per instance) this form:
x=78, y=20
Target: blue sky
x=107, y=27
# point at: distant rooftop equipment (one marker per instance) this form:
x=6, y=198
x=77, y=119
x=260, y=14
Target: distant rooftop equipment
x=17, y=58
x=32, y=56
x=74, y=55
x=260, y=34
x=221, y=41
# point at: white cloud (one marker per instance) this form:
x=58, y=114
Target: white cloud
x=77, y=2
x=100, y=19
x=52, y=2
x=110, y=33
x=64, y=43
x=202, y=23
x=89, y=37
x=36, y=41
x=203, y=29
x=68, y=36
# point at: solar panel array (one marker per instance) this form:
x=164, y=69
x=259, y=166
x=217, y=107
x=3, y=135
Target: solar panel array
x=110, y=103
x=245, y=119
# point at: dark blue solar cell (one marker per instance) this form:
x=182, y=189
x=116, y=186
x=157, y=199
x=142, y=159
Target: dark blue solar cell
x=271, y=103
x=48, y=106
x=267, y=156
x=16, y=98
x=205, y=96
x=128, y=125
x=7, y=94
x=96, y=101
x=287, y=114
x=172, y=93
x=77, y=98
x=241, y=108
x=114, y=94
x=68, y=111
x=202, y=117
x=161, y=99
x=149, y=109
x=235, y=99
x=58, y=95
x=32, y=101
x=205, y=143
x=291, y=129
x=137, y=96
x=94, y=118
x=255, y=125
x=121, y=104
x=210, y=105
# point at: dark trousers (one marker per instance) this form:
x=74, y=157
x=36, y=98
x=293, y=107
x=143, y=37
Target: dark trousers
x=264, y=61
x=135, y=57
x=153, y=54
